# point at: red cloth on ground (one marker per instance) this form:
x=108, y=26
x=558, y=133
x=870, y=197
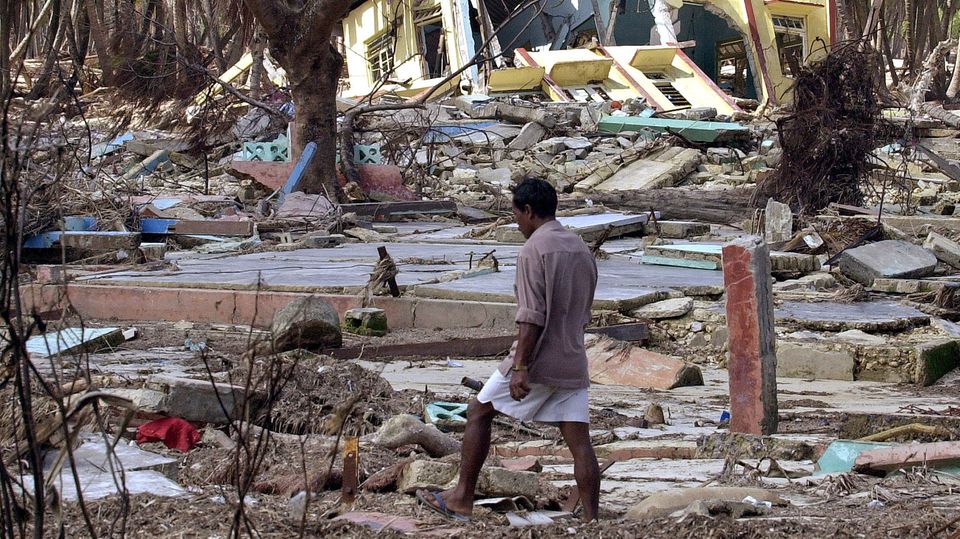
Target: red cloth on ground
x=174, y=432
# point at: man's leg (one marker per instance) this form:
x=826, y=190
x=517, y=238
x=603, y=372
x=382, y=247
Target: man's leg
x=476, y=445
x=585, y=468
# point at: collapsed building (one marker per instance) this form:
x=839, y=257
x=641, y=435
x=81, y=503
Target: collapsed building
x=774, y=342
x=671, y=53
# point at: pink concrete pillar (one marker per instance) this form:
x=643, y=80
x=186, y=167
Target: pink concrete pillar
x=752, y=362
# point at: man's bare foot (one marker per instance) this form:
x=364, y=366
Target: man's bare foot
x=452, y=502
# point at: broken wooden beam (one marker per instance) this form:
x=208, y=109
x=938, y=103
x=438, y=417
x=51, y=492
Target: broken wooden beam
x=479, y=347
x=392, y=211
x=673, y=203
x=351, y=470
x=197, y=227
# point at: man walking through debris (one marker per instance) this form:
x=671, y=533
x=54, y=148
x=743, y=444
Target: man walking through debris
x=544, y=378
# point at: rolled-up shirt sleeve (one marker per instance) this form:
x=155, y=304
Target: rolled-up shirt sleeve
x=531, y=289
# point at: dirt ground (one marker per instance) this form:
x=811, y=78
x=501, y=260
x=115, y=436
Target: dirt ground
x=921, y=503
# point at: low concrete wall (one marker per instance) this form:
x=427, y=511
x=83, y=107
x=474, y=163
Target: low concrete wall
x=253, y=307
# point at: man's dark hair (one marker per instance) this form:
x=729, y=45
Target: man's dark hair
x=538, y=194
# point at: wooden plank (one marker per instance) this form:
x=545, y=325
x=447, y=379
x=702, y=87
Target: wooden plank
x=351, y=470
x=636, y=331
x=212, y=228
x=479, y=347
x=386, y=211
x=719, y=206
x=942, y=164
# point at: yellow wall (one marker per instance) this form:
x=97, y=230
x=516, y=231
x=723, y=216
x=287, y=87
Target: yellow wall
x=816, y=24
x=580, y=67
x=373, y=18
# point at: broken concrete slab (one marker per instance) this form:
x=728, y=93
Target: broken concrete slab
x=530, y=134
x=299, y=205
x=73, y=340
x=621, y=363
x=620, y=450
x=664, y=503
x=911, y=286
x=935, y=359
x=808, y=361
x=681, y=229
x=141, y=472
x=891, y=259
x=782, y=447
x=191, y=399
x=708, y=256
x=588, y=227
x=508, y=112
x=668, y=308
x=496, y=176
x=148, y=165
x=662, y=169
x=840, y=455
x=778, y=222
x=814, y=282
x=693, y=130
x=866, y=316
x=928, y=455
x=873, y=316
x=616, y=289
x=493, y=481
x=945, y=249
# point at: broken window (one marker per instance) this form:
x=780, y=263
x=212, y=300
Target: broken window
x=380, y=56
x=791, y=42
x=431, y=38
x=583, y=94
x=732, y=66
x=664, y=83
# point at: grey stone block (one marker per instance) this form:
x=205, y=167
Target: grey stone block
x=887, y=259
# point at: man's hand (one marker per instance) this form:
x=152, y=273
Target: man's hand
x=519, y=388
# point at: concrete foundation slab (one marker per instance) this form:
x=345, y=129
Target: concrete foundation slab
x=708, y=256
x=345, y=269
x=612, y=292
x=588, y=227
x=889, y=259
x=873, y=316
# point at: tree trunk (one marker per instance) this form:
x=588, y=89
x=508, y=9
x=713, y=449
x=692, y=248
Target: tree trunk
x=6, y=20
x=954, y=87
x=100, y=42
x=58, y=22
x=181, y=38
x=256, y=69
x=313, y=85
x=300, y=40
x=215, y=41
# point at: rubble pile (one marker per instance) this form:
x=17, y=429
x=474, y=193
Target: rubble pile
x=310, y=360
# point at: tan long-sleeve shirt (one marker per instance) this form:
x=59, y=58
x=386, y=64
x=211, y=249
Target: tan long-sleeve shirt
x=556, y=281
